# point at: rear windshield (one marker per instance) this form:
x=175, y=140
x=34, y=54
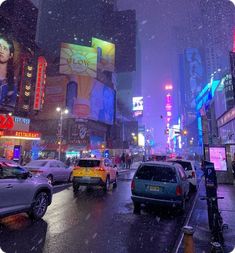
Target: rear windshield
x=156, y=173
x=185, y=165
x=88, y=163
x=37, y=163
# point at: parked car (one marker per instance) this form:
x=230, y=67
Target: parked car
x=190, y=171
x=159, y=183
x=7, y=161
x=53, y=170
x=21, y=192
x=93, y=171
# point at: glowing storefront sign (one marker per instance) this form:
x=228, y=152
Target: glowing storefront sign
x=20, y=135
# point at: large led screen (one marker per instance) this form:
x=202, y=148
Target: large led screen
x=9, y=69
x=106, y=59
x=78, y=60
x=102, y=103
x=218, y=157
x=138, y=104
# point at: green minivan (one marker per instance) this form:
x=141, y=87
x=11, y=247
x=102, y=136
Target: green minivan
x=159, y=183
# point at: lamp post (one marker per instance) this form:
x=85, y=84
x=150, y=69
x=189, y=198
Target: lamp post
x=60, y=134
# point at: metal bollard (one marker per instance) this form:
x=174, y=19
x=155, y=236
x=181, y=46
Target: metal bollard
x=188, y=239
x=216, y=248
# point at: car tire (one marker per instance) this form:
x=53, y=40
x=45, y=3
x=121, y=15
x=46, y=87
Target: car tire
x=137, y=208
x=107, y=184
x=39, y=206
x=50, y=179
x=75, y=187
x=193, y=188
x=115, y=183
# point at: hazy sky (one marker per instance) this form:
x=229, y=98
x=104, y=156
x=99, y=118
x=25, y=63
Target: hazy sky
x=156, y=22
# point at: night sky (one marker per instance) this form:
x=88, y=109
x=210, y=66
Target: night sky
x=157, y=22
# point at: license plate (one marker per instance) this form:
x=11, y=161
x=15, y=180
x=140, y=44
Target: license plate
x=154, y=188
x=86, y=178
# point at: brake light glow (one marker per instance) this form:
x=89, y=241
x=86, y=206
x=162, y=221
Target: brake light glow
x=132, y=185
x=100, y=169
x=37, y=171
x=178, y=190
x=193, y=174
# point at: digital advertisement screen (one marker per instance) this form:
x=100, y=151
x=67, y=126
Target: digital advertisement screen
x=9, y=69
x=218, y=157
x=102, y=103
x=107, y=54
x=138, y=104
x=78, y=60
x=137, y=113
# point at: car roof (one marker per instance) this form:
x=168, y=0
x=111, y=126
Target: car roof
x=180, y=160
x=158, y=163
x=93, y=159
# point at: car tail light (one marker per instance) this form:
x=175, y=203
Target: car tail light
x=178, y=190
x=100, y=169
x=37, y=171
x=193, y=174
x=132, y=184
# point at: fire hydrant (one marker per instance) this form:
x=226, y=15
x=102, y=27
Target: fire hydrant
x=188, y=239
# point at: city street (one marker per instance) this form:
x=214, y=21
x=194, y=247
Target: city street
x=93, y=221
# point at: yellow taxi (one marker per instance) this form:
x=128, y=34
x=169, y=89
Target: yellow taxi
x=96, y=172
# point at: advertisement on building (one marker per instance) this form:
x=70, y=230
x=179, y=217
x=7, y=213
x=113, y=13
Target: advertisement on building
x=218, y=157
x=78, y=60
x=106, y=55
x=232, y=63
x=10, y=56
x=137, y=103
x=95, y=101
x=194, y=75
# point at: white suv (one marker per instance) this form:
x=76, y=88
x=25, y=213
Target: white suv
x=21, y=192
x=190, y=171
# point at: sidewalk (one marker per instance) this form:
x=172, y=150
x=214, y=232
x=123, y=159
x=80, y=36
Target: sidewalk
x=199, y=220
x=134, y=166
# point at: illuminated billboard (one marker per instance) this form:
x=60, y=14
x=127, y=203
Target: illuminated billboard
x=78, y=60
x=218, y=157
x=106, y=55
x=9, y=59
x=137, y=104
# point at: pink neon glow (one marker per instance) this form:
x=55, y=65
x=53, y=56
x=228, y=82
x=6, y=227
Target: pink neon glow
x=168, y=87
x=234, y=41
x=169, y=114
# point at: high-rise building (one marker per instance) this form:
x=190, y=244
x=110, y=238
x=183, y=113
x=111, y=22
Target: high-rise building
x=218, y=19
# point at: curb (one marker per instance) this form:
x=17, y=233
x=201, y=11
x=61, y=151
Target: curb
x=180, y=237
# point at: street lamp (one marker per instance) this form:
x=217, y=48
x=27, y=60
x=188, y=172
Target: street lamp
x=60, y=136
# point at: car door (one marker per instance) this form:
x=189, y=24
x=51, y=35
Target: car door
x=15, y=193
x=55, y=170
x=64, y=171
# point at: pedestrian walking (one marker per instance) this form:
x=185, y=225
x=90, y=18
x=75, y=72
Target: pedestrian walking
x=123, y=160
x=129, y=162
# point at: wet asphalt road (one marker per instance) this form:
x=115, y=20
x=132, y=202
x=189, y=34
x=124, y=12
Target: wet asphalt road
x=93, y=221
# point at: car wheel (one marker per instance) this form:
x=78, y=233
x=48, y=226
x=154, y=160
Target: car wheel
x=50, y=179
x=193, y=188
x=115, y=183
x=39, y=206
x=75, y=187
x=137, y=208
x=107, y=184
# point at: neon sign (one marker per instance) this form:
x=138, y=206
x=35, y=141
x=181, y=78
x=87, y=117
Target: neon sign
x=40, y=84
x=6, y=122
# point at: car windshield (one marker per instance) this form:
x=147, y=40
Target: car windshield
x=156, y=173
x=185, y=165
x=88, y=163
x=37, y=163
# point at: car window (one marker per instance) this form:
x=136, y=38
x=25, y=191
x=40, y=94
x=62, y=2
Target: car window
x=185, y=165
x=37, y=163
x=54, y=165
x=88, y=163
x=181, y=173
x=156, y=173
x=61, y=165
x=10, y=172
